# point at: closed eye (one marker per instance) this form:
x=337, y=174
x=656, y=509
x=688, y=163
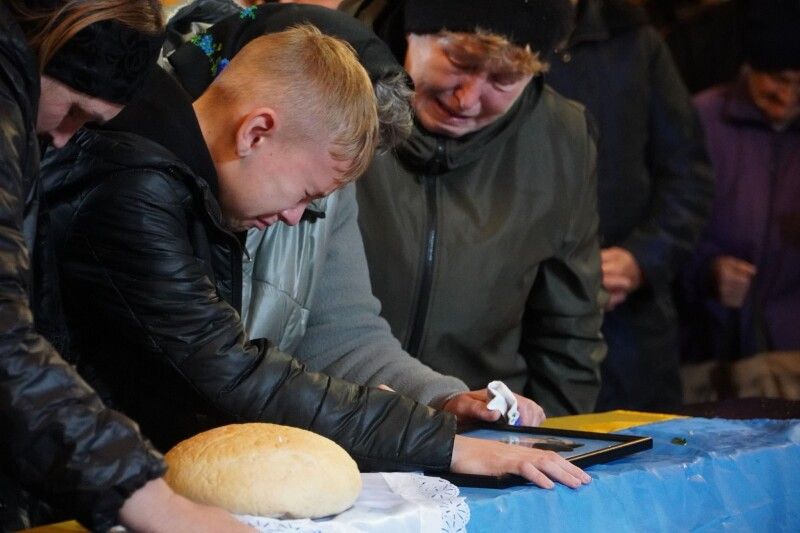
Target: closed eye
x=505, y=81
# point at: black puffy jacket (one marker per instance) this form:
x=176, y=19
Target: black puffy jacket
x=152, y=287
x=56, y=437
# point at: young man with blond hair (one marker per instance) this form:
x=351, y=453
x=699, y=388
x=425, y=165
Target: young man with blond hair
x=150, y=247
x=334, y=107
x=481, y=230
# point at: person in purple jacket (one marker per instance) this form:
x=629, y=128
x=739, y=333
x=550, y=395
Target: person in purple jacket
x=743, y=288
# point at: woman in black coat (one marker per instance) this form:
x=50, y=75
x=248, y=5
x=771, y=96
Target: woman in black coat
x=65, y=63
x=654, y=192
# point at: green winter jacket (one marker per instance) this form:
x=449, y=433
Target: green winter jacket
x=484, y=252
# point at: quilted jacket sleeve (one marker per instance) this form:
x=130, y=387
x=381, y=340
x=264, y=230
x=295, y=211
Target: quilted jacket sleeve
x=56, y=436
x=129, y=247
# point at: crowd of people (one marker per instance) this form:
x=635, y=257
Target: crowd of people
x=350, y=217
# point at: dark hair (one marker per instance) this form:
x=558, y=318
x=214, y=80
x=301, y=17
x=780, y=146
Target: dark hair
x=49, y=24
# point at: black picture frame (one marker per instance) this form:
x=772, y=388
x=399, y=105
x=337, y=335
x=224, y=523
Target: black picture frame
x=597, y=448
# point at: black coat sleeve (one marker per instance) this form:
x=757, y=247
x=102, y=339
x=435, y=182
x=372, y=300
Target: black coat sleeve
x=130, y=248
x=56, y=436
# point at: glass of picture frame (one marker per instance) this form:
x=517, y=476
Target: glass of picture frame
x=582, y=448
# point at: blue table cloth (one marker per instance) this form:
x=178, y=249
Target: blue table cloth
x=730, y=475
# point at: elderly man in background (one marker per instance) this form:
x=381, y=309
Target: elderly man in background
x=743, y=286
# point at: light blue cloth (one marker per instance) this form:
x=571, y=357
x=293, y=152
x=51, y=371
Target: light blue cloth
x=731, y=475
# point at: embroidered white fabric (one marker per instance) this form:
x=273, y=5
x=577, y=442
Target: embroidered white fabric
x=388, y=503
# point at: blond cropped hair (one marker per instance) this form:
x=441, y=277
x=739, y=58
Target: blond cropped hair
x=483, y=50
x=319, y=83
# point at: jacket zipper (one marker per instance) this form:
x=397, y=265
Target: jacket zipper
x=428, y=258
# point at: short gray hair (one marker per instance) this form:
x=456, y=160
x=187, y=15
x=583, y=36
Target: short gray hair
x=395, y=114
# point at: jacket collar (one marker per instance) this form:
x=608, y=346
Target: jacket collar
x=430, y=153
x=163, y=113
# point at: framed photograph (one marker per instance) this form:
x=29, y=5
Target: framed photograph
x=583, y=448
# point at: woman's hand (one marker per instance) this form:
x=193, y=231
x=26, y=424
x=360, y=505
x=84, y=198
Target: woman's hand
x=472, y=406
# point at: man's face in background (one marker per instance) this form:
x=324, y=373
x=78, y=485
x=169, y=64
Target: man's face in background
x=776, y=94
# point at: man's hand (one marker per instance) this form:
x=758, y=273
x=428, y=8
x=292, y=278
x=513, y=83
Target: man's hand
x=732, y=278
x=472, y=406
x=621, y=274
x=490, y=458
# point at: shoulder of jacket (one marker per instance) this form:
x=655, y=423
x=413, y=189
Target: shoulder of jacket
x=710, y=98
x=131, y=165
x=563, y=114
x=161, y=185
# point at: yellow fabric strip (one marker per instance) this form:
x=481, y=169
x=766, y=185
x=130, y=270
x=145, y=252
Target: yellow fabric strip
x=607, y=422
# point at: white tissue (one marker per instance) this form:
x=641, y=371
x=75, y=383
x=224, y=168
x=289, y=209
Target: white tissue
x=502, y=399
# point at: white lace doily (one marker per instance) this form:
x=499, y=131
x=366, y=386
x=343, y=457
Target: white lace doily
x=388, y=503
x=416, y=487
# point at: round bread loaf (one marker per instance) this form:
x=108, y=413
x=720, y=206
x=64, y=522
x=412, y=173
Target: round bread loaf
x=265, y=470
